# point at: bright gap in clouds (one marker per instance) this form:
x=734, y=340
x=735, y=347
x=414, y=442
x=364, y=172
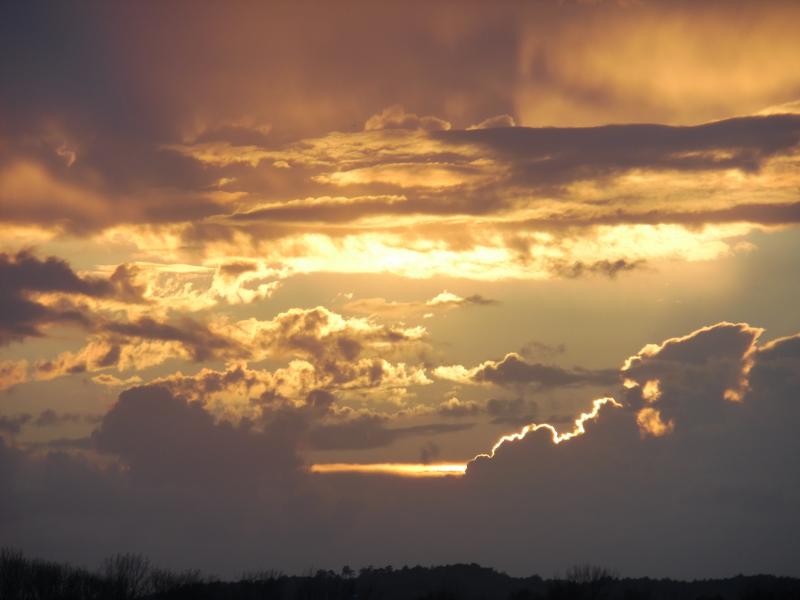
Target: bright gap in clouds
x=398, y=469
x=458, y=469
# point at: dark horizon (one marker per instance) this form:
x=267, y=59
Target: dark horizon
x=131, y=576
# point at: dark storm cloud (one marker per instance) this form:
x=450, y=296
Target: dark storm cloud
x=24, y=274
x=23, y=318
x=167, y=455
x=723, y=466
x=160, y=437
x=555, y=155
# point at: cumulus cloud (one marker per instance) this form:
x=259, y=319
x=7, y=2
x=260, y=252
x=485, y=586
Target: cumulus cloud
x=323, y=336
x=138, y=344
x=242, y=392
x=682, y=456
x=690, y=381
x=185, y=288
x=350, y=353
x=159, y=437
x=315, y=401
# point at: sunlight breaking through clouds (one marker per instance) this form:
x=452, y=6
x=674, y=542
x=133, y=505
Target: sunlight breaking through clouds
x=386, y=282
x=400, y=470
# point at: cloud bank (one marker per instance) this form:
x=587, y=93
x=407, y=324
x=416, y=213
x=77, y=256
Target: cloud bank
x=716, y=488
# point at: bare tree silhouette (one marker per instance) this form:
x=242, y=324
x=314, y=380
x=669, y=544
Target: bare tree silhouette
x=127, y=575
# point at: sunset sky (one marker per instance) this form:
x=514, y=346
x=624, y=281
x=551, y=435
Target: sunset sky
x=307, y=284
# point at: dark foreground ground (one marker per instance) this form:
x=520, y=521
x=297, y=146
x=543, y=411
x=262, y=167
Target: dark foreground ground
x=126, y=577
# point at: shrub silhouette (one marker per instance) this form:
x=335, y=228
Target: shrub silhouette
x=132, y=576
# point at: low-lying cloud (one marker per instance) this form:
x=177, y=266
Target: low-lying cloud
x=717, y=492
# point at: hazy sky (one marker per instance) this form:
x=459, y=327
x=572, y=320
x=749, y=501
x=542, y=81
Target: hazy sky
x=277, y=278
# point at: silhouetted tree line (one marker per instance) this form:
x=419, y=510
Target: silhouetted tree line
x=131, y=576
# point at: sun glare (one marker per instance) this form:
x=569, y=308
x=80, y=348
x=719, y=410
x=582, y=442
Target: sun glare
x=397, y=469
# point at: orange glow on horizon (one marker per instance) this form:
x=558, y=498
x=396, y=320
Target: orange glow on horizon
x=397, y=469
x=459, y=469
